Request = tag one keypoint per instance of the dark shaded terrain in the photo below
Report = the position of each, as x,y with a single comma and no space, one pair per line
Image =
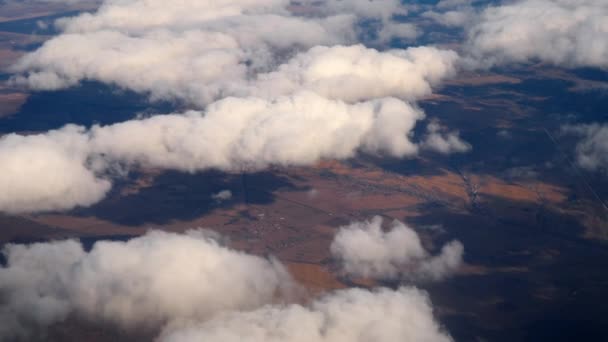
88,104
181,196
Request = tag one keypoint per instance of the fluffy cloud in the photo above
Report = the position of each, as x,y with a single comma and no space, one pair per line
163,64
147,281
592,149
562,32
191,288
234,134
354,73
251,133
350,315
214,68
453,13
223,195
194,51
47,172
125,15
365,250
266,94
444,142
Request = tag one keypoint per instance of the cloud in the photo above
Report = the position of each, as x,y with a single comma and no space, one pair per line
193,51
223,195
48,172
444,143
355,73
234,134
592,149
568,33
201,51
188,287
350,73
147,281
453,13
350,315
125,15
251,133
405,31
365,250
265,92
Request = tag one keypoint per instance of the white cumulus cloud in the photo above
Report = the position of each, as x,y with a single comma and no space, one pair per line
150,280
223,195
188,287
350,315
270,87
355,73
366,250
234,134
444,142
193,51
569,33
48,172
